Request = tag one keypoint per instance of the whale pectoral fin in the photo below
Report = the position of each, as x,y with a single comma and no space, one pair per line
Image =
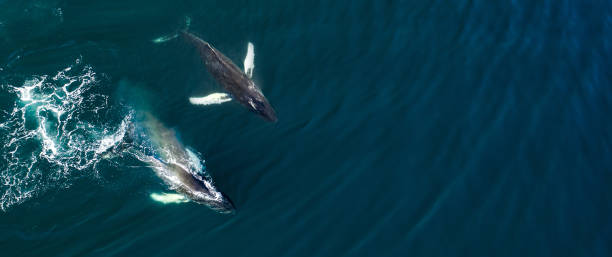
167,198
249,59
214,98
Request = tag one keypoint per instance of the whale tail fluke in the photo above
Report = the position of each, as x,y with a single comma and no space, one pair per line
187,23
166,38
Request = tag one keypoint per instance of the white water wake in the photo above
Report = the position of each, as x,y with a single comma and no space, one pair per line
55,132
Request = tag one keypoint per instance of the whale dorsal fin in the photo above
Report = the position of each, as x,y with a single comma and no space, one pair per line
249,60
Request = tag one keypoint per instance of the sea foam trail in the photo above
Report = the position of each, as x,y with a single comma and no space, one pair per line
53,133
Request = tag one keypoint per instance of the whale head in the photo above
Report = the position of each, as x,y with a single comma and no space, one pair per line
198,189
222,205
214,199
258,104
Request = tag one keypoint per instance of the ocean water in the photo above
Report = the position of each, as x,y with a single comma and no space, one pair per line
406,128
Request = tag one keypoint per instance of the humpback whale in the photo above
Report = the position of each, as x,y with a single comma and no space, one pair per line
238,84
178,167
144,137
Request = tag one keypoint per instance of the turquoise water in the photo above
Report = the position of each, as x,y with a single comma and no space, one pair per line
406,128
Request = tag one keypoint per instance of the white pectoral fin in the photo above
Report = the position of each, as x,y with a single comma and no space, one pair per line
214,98
167,198
249,60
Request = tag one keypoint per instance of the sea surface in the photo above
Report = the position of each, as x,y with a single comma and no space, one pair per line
405,128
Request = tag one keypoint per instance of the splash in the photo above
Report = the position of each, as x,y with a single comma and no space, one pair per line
114,139
55,132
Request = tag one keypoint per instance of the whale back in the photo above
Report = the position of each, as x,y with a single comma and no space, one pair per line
188,180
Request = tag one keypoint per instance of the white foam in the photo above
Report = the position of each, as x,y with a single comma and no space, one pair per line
45,139
214,98
25,92
194,161
47,142
115,138
249,60
167,198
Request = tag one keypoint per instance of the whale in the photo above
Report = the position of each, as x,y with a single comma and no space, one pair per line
237,83
143,139
177,165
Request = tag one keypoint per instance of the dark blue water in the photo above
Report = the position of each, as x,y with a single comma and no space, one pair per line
406,128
